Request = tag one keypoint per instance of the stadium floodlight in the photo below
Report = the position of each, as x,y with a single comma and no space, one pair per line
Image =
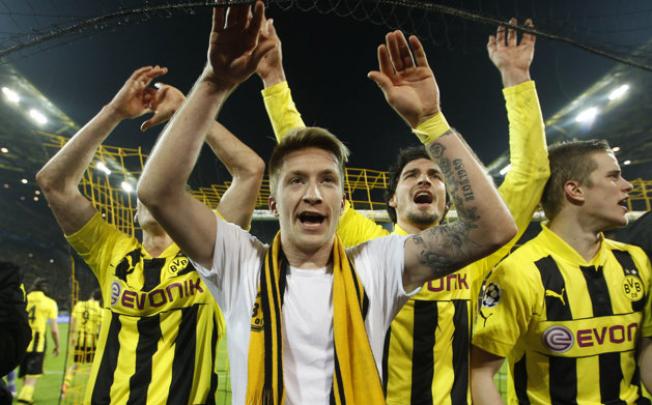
37,192
38,116
505,169
51,260
618,92
627,162
127,187
101,166
35,198
616,149
11,95
587,116
4,150
24,181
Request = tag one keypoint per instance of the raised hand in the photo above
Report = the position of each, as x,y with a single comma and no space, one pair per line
513,59
165,102
270,67
134,98
234,49
407,82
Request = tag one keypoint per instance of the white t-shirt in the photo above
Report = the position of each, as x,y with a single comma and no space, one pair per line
307,309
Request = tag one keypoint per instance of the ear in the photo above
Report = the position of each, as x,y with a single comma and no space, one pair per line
392,201
271,203
574,192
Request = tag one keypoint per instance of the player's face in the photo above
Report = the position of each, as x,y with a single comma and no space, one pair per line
420,196
605,200
308,199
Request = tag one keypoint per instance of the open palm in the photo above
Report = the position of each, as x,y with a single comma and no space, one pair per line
408,83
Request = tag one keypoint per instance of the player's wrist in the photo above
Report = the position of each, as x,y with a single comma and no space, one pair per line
275,77
432,128
114,112
514,76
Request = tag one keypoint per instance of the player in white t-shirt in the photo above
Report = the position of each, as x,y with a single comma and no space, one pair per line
307,193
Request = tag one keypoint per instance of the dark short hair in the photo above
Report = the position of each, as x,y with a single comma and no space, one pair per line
569,161
303,138
40,284
405,156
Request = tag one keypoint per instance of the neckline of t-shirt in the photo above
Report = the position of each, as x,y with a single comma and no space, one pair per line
319,272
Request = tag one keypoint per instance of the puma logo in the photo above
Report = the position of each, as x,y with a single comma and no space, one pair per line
484,317
554,294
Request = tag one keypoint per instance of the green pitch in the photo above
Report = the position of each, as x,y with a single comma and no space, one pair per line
49,385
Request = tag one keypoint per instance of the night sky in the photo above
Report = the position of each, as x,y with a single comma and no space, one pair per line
326,60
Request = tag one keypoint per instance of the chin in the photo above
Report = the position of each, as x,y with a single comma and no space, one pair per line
424,219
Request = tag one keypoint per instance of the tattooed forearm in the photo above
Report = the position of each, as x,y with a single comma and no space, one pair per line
453,247
457,180
446,248
467,191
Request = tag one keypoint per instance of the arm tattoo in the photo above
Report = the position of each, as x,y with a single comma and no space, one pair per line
444,249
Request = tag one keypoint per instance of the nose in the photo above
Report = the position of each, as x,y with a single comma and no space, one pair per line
628,186
312,195
423,179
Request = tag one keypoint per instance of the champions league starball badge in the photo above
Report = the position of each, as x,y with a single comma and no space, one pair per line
491,295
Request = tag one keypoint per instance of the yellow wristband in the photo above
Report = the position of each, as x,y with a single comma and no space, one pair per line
431,129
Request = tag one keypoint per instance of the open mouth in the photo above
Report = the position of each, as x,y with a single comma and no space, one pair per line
623,203
311,218
423,197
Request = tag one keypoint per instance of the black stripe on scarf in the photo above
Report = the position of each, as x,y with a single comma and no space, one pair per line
267,389
340,383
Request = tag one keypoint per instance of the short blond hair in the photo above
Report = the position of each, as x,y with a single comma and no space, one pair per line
303,138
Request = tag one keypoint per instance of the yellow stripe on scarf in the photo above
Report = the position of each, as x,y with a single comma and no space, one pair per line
355,378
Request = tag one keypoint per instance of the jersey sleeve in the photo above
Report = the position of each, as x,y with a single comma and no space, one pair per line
506,308
523,185
643,263
281,110
354,228
95,242
53,310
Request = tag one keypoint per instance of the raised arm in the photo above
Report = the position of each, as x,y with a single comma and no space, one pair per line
484,223
244,165
60,177
281,110
233,54
523,185
246,169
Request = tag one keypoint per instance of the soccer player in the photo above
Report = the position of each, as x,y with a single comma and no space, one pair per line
15,333
160,325
41,311
570,309
426,360
306,319
84,331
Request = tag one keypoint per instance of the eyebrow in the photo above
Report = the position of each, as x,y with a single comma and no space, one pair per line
430,171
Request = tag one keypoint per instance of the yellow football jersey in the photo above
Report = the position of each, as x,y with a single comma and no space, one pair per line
40,309
569,327
160,326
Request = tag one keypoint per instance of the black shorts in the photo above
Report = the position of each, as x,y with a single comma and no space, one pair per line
84,354
32,364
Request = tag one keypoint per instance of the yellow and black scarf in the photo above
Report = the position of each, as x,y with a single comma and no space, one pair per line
355,378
